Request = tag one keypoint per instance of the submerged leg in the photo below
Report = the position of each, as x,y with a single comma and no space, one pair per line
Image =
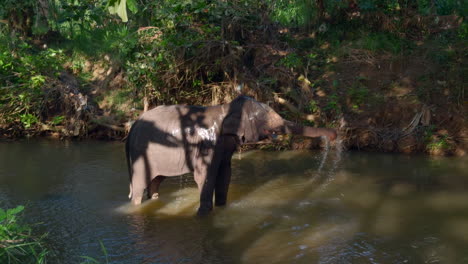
153,189
206,188
222,184
223,178
137,194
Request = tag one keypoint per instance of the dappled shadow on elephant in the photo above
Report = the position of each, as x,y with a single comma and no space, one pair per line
177,139
138,147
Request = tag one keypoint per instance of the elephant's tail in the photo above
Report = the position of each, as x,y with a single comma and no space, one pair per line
129,161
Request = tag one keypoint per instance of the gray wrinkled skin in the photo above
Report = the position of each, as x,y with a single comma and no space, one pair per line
177,139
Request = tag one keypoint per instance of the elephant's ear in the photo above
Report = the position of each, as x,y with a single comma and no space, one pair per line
240,120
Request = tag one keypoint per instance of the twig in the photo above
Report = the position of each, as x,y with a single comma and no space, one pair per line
113,127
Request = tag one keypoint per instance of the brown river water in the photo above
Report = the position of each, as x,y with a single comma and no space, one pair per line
284,207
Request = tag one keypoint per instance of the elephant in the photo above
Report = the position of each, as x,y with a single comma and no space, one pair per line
172,140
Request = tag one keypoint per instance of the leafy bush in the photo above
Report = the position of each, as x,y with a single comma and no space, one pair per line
358,94
190,44
25,72
292,61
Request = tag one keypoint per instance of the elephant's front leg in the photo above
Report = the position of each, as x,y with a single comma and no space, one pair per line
222,183
206,169
223,177
206,185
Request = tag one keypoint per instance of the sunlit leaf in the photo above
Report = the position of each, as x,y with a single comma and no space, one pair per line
119,8
16,210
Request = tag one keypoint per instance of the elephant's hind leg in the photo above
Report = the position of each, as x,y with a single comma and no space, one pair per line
153,189
137,195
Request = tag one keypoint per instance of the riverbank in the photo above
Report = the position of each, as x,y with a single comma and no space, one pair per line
390,81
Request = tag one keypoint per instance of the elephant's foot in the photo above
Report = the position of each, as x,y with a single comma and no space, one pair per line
220,202
204,210
155,196
137,200
220,198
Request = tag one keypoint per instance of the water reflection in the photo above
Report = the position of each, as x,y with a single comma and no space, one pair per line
284,207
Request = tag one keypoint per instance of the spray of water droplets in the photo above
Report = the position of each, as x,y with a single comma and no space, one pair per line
327,175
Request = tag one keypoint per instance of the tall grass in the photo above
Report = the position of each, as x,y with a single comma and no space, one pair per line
91,260
17,243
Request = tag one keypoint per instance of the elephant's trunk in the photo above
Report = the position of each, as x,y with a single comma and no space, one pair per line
296,129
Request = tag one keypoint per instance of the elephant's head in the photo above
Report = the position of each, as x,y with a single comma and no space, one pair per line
253,121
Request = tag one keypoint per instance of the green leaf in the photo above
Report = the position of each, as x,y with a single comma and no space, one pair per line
2,214
104,250
132,6
28,120
16,210
57,120
119,8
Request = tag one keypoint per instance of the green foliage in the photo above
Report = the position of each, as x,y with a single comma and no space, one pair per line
463,31
435,141
28,120
292,61
438,144
175,51
313,106
19,15
305,14
383,42
301,13
25,72
17,244
358,95
188,45
424,7
333,105
292,13
57,120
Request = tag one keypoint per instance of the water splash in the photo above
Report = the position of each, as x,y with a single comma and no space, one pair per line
327,175
325,153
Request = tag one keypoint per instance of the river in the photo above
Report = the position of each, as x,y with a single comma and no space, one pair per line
283,207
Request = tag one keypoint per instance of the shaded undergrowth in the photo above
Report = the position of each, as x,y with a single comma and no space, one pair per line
367,68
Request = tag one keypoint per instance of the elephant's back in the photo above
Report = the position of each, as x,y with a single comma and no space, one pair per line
164,113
